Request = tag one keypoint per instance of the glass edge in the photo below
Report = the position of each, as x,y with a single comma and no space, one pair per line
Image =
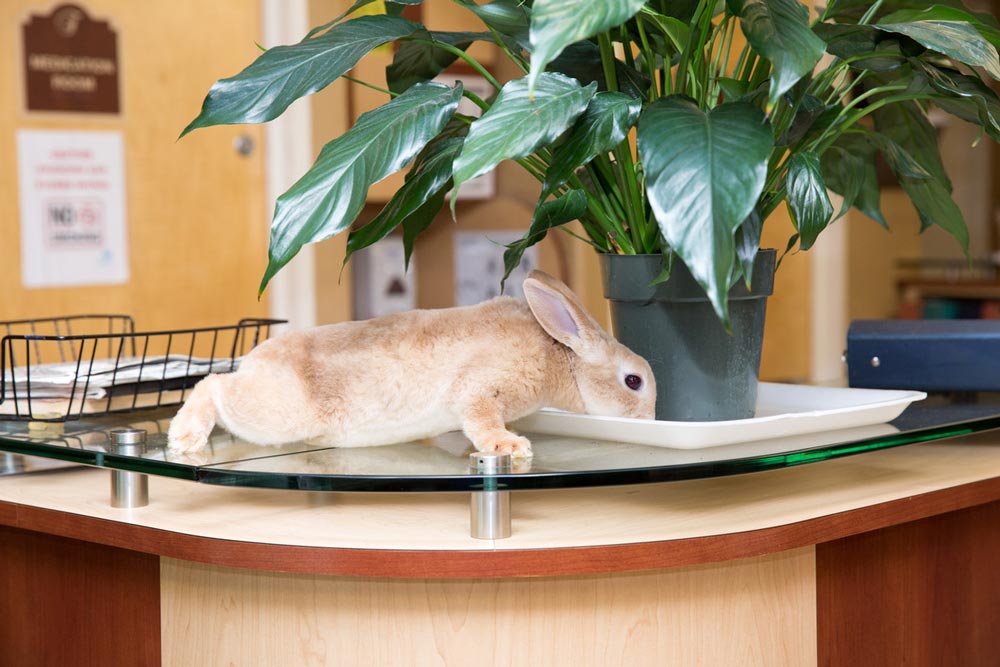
587,478
215,475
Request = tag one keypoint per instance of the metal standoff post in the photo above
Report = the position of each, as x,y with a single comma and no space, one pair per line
490,507
129,489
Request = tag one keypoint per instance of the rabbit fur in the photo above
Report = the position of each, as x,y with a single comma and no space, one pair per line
421,373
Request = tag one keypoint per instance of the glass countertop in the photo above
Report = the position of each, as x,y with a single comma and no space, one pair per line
442,463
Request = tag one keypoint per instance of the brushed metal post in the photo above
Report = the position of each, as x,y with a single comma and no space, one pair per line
490,508
129,489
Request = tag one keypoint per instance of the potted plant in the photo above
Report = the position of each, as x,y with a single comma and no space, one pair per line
671,129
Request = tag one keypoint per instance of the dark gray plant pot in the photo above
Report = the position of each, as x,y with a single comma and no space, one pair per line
702,373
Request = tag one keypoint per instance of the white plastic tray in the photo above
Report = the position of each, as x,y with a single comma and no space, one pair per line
782,410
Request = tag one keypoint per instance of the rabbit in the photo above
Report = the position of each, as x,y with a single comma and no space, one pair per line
420,373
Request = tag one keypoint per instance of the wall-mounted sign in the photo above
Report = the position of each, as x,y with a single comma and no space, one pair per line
381,284
479,265
70,62
72,199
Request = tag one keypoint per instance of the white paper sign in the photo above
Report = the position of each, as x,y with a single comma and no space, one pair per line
382,286
479,265
72,188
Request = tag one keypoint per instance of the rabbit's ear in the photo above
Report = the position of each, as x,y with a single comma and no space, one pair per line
560,312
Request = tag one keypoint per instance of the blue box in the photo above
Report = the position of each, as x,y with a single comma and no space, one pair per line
927,355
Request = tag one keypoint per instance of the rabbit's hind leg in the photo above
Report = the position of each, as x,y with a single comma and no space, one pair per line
190,428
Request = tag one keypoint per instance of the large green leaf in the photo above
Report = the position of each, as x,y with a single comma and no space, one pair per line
704,174
681,10
748,243
986,25
283,74
418,221
327,199
392,8
676,33
955,39
852,10
600,128
931,196
811,112
507,17
779,31
428,180
582,61
807,198
416,61
548,214
964,96
849,42
516,125
850,170
555,24
907,126
935,206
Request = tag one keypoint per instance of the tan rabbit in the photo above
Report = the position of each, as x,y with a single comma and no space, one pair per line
422,373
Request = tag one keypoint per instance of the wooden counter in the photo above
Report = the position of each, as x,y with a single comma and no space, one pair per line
882,558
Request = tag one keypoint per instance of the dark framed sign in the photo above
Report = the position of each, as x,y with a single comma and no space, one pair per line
70,62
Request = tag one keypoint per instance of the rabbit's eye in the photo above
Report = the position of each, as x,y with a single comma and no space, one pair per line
633,382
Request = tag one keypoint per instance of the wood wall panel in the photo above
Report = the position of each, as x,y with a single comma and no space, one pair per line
757,611
925,593
65,602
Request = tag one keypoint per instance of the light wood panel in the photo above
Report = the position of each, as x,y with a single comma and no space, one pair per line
195,212
754,612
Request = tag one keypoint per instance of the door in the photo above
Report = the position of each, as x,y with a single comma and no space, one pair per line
196,223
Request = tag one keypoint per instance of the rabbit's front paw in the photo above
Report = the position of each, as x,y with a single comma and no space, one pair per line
195,458
185,437
515,445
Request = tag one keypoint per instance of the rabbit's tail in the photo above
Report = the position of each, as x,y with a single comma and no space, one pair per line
190,428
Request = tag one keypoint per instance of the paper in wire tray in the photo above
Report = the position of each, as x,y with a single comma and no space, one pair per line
64,368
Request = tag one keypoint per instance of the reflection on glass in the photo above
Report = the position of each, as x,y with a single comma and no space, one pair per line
441,463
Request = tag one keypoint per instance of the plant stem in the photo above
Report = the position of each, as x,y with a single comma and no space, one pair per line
461,54
870,13
837,126
724,63
682,65
369,85
714,67
608,60
600,204
649,57
515,58
705,26
633,198
743,63
589,242
531,168
875,106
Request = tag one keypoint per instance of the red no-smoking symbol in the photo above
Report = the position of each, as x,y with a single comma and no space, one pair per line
89,214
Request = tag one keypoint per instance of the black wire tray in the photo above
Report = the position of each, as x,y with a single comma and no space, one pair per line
61,369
